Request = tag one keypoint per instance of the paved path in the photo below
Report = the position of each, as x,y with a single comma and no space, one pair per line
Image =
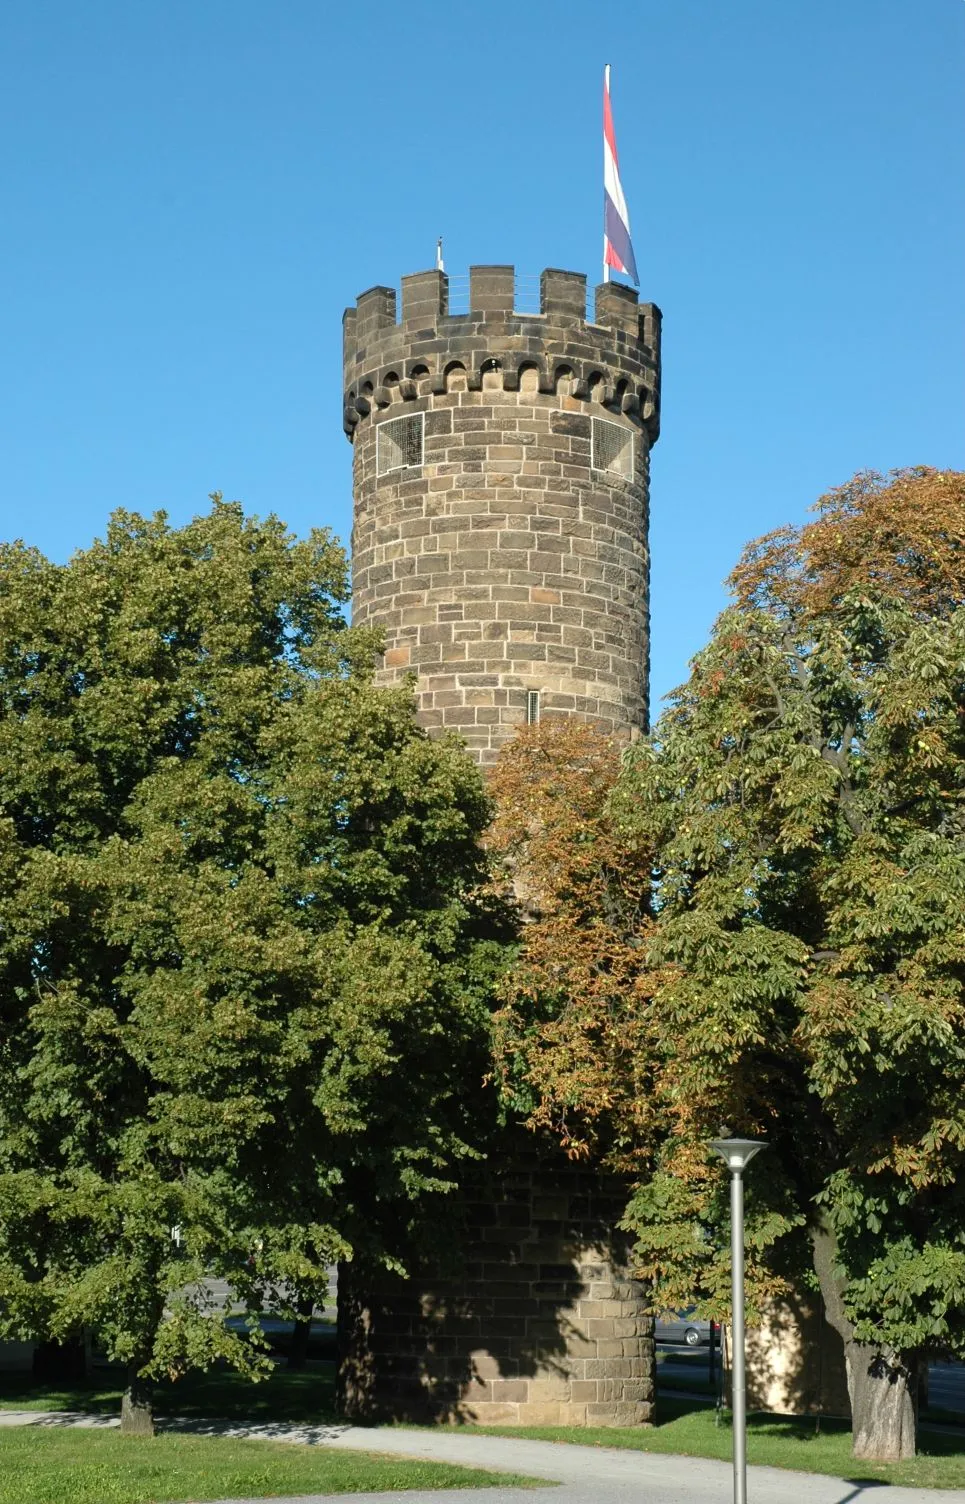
586,1475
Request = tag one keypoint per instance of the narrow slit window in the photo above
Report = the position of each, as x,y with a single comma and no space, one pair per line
532,707
612,448
398,443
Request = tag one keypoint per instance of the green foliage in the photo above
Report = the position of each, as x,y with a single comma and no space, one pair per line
805,798
243,966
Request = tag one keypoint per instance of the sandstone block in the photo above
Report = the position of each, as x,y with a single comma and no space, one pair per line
542,1414
510,1389
491,1414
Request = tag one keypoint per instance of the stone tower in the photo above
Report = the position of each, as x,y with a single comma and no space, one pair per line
501,466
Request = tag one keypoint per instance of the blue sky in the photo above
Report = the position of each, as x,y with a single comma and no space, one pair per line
192,190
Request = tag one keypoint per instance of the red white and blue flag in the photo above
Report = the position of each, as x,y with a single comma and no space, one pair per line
617,248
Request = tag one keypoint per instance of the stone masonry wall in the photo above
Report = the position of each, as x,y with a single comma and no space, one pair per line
543,1326
505,562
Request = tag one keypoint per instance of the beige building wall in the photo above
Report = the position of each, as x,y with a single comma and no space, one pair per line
795,1361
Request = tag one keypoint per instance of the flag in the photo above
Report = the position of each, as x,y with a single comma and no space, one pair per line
617,249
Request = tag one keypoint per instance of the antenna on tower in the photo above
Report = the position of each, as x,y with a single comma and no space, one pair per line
439,264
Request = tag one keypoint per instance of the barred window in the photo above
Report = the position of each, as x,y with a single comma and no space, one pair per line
398,443
612,448
532,707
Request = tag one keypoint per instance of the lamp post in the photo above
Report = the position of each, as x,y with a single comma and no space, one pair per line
737,1154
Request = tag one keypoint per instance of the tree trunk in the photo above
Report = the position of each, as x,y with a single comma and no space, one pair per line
137,1411
298,1351
882,1386
884,1405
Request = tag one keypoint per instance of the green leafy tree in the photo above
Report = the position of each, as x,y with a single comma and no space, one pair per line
805,796
801,805
243,967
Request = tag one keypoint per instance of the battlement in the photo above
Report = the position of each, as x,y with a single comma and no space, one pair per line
615,359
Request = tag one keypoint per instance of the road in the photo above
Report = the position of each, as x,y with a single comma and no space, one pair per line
946,1381
946,1386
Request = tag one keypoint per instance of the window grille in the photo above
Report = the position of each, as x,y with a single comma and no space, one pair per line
532,707
612,448
398,443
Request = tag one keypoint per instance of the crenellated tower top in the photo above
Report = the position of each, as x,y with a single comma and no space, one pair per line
500,476
613,360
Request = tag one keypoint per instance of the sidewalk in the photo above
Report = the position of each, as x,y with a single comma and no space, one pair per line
586,1475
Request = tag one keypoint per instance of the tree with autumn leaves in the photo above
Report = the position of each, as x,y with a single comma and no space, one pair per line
757,920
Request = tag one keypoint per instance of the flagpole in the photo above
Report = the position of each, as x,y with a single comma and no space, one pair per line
606,90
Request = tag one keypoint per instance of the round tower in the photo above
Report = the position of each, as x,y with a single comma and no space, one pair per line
501,466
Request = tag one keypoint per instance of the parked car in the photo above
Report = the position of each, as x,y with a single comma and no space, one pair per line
683,1326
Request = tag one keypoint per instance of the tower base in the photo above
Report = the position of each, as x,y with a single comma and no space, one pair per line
527,1317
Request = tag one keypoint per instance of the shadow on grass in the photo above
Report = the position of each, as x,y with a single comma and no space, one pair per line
804,1431
302,1397
806,1428
98,1395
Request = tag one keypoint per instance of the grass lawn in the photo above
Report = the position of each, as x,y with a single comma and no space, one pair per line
47,1465
772,1440
308,1397
305,1397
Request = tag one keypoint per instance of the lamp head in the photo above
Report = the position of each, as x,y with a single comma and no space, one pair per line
737,1153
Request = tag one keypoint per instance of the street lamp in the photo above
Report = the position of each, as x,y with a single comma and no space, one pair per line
737,1154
